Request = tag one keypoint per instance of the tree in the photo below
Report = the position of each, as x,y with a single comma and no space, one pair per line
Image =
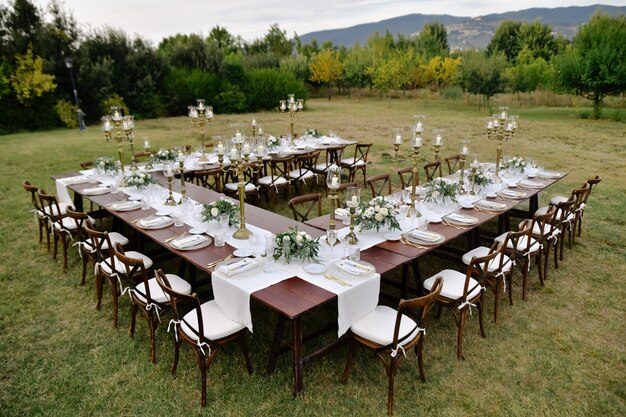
595,64
506,40
538,39
29,81
482,75
433,40
326,68
355,68
529,74
440,72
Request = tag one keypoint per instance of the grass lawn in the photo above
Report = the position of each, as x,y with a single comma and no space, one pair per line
562,352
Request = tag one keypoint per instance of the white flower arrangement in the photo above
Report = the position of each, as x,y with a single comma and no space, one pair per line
312,132
164,155
213,210
439,189
138,179
376,214
517,163
479,177
296,244
272,142
107,165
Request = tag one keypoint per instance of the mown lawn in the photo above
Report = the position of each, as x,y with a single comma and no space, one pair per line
559,353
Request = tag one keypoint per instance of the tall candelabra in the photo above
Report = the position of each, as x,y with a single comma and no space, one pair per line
201,115
501,127
463,151
353,199
416,142
169,174
121,129
293,106
240,164
181,169
333,181
437,142
253,125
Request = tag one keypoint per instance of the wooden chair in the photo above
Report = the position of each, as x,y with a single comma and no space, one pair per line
564,218
86,164
209,178
378,184
544,231
406,177
358,162
278,168
461,292
39,213
303,171
453,163
333,156
141,156
107,266
303,205
389,332
203,327
521,247
60,225
146,294
432,170
251,178
498,272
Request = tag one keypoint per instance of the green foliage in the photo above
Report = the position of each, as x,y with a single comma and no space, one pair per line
231,100
529,74
184,86
29,82
114,100
595,64
506,40
298,65
355,67
325,68
433,40
482,75
67,113
268,86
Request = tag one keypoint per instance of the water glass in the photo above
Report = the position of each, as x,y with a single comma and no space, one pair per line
220,238
354,252
178,218
145,203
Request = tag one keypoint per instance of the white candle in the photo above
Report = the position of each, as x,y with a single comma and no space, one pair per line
246,148
464,151
503,115
419,127
509,127
146,144
260,150
233,153
200,106
490,125
107,126
354,201
334,182
418,142
438,140
168,172
238,137
398,139
253,122
220,148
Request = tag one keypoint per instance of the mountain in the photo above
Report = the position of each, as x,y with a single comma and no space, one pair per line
465,32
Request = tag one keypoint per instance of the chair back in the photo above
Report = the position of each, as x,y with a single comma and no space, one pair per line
453,163
100,245
80,218
306,163
406,177
565,212
542,225
303,205
279,166
417,308
135,271
341,191
361,151
432,170
520,241
334,155
140,155
581,195
378,184
50,206
479,265
593,181
209,178
34,198
86,164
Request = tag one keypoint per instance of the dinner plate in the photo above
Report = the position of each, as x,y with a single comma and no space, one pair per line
135,198
167,221
516,195
347,269
392,236
95,191
315,268
202,242
491,195
434,219
531,184
240,267
437,238
125,206
489,205
163,212
243,252
460,219
197,230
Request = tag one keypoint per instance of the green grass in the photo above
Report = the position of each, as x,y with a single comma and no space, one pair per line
559,353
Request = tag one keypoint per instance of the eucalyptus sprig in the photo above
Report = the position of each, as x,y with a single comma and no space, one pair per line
213,210
296,244
440,188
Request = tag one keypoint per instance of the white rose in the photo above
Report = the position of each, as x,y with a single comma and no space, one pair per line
215,211
299,239
379,217
384,211
435,194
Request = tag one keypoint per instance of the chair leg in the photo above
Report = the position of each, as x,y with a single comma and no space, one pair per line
495,302
525,271
85,259
459,337
133,318
115,301
202,363
64,245
152,327
98,290
481,320
56,245
244,349
346,369
419,348
391,375
176,354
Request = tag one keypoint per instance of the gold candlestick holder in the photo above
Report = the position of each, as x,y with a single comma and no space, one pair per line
416,142
170,199
201,116
436,148
501,127
120,129
353,198
183,190
462,190
292,106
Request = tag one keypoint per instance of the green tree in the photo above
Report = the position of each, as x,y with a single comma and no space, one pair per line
529,74
506,40
298,65
538,39
595,64
433,40
326,68
355,68
29,80
482,75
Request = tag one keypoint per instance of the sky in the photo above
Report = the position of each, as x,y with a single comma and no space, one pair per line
156,19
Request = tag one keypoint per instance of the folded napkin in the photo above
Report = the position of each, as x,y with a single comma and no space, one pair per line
425,236
342,212
354,268
511,193
81,179
156,221
125,205
491,205
549,174
238,267
188,241
95,190
461,219
530,184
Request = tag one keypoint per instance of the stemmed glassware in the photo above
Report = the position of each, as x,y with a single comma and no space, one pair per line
331,239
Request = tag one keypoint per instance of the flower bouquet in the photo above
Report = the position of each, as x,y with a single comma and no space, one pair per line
295,244
272,142
213,210
376,214
107,165
312,132
164,155
517,163
138,179
478,177
439,190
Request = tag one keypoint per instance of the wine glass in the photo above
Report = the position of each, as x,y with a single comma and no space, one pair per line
331,239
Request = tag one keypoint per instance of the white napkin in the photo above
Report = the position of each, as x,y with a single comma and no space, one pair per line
355,268
125,205
154,222
461,219
491,205
80,179
238,267
531,184
511,193
340,212
95,190
189,241
425,236
549,174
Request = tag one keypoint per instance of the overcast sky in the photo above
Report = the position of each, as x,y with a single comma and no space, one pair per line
156,19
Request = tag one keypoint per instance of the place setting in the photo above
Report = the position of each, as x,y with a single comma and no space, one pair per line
154,222
102,189
459,221
188,242
127,205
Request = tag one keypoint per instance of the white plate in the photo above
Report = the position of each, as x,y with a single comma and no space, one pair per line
135,198
344,274
125,206
95,191
392,236
466,204
314,268
197,230
491,195
199,245
434,220
163,212
243,252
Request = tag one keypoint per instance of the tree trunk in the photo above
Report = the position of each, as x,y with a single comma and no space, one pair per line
597,100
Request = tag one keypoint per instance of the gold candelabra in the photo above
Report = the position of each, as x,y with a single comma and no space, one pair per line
293,106
120,128
353,199
333,180
501,127
416,142
181,169
253,125
463,156
240,164
201,115
437,142
169,174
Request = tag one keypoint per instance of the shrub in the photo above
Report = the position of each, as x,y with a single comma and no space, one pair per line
184,86
114,100
269,86
452,93
67,113
232,100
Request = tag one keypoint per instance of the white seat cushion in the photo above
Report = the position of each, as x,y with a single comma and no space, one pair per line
350,161
494,264
297,174
321,167
522,242
69,223
378,326
544,210
156,293
62,206
268,181
453,282
216,324
558,199
233,186
114,237
120,268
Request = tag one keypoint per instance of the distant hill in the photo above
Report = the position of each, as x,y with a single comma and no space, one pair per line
465,32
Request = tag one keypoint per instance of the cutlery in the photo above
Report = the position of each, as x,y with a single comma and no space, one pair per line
453,225
144,218
169,239
407,242
339,281
214,263
486,211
